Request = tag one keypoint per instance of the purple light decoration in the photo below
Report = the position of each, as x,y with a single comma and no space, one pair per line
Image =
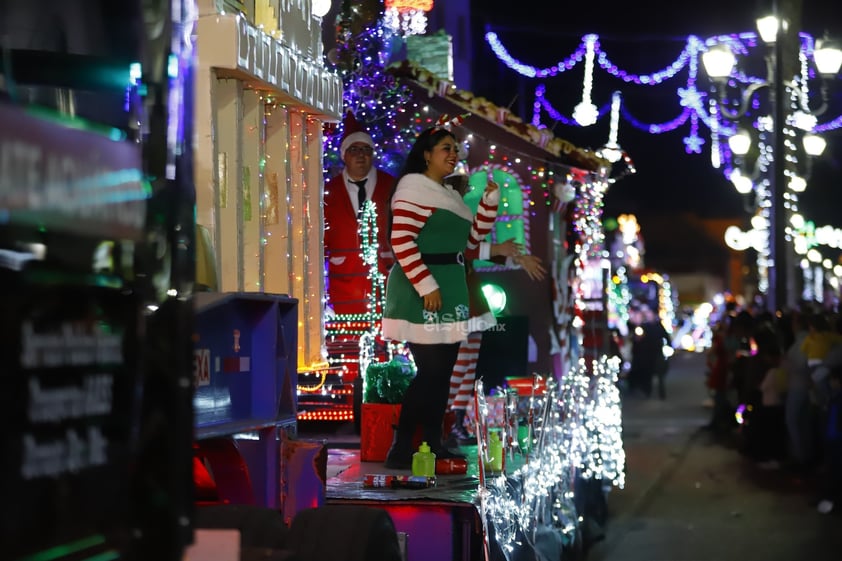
542,103
692,47
740,44
830,125
531,71
693,143
657,128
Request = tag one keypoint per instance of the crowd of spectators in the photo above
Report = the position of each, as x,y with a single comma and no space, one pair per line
776,384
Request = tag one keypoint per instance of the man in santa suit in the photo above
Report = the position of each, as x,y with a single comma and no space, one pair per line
348,283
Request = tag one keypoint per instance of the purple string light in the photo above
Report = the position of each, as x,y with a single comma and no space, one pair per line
692,47
531,71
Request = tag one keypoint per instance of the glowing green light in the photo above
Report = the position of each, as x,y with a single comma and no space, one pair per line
496,298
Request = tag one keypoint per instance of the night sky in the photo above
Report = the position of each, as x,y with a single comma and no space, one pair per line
642,37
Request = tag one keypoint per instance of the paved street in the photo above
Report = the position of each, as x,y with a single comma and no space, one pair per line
690,498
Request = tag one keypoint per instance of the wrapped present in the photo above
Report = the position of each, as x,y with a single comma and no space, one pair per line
384,387
376,429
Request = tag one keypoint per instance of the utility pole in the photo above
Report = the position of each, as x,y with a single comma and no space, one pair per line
781,292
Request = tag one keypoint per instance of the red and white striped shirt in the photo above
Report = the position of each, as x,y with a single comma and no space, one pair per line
409,217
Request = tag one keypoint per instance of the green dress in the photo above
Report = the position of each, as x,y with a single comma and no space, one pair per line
446,231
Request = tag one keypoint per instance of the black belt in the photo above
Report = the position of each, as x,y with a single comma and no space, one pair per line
443,258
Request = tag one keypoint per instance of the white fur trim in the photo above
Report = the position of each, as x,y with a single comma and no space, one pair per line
482,323
419,189
402,330
358,136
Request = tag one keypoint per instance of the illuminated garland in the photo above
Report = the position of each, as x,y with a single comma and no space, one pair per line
604,457
693,102
374,96
701,107
539,493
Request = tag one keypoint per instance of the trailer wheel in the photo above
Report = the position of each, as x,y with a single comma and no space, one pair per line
344,533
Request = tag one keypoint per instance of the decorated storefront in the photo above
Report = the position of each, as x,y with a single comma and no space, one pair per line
263,96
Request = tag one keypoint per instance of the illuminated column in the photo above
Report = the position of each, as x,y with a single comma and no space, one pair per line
277,219
314,239
227,123
298,225
251,191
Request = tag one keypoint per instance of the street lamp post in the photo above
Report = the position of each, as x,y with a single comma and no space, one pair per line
776,196
780,294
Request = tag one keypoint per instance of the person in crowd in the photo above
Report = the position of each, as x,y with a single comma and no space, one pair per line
832,486
464,371
798,410
427,302
348,281
647,352
769,421
763,353
818,343
743,348
718,362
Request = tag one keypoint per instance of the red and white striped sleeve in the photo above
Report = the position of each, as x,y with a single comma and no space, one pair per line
407,220
484,218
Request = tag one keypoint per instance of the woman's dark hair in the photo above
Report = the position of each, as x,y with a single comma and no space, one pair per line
415,162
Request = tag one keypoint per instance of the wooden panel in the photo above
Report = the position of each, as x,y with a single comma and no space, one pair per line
228,117
277,219
251,191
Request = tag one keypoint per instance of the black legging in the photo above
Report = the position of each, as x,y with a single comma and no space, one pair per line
425,400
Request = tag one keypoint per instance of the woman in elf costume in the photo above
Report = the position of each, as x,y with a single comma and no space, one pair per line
426,295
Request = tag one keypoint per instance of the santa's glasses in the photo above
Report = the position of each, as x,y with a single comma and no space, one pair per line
360,150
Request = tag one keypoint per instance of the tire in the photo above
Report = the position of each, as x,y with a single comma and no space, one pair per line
344,533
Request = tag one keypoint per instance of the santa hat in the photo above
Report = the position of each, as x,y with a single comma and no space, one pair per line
352,132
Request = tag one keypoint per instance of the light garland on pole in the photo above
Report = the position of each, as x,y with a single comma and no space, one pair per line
699,107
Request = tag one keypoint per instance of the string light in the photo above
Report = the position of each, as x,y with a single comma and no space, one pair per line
692,101
586,112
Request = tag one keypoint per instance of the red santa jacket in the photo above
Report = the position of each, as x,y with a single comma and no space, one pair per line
348,282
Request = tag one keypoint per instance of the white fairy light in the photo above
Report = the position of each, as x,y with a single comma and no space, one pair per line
586,112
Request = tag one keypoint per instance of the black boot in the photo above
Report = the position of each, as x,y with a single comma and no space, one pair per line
400,453
432,434
458,434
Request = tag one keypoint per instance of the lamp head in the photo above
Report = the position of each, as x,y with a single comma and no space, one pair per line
740,142
814,144
718,62
767,27
828,57
321,7
742,183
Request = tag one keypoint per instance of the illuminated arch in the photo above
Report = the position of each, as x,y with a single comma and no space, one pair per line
512,216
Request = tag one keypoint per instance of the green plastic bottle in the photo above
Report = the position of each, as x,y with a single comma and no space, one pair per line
494,462
424,461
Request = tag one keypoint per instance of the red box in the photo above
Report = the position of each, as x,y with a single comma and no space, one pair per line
377,423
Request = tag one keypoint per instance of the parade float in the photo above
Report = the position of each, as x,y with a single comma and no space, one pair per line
549,490
261,164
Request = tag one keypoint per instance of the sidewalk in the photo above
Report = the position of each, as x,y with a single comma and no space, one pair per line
689,497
